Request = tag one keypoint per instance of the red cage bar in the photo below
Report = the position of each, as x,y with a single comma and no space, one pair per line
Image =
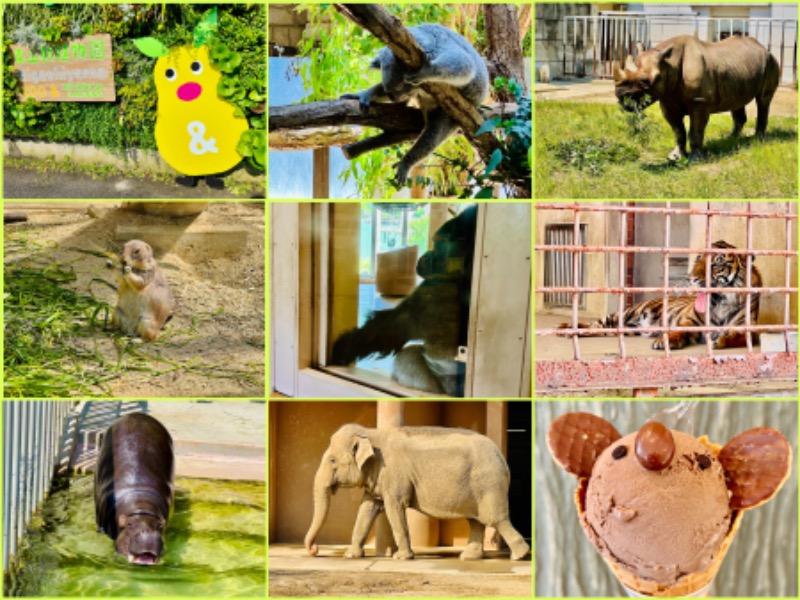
668,370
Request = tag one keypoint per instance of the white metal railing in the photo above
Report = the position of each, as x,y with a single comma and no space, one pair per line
592,43
32,434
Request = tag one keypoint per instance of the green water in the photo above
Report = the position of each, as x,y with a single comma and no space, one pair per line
215,546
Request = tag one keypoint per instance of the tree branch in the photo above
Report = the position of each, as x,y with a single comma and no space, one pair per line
389,117
330,123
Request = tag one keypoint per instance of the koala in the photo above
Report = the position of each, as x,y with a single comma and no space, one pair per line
145,302
450,59
425,330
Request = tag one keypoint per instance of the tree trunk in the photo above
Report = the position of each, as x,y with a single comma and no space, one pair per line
503,46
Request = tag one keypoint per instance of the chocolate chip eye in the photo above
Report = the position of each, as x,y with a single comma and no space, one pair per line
196,67
170,74
619,452
704,462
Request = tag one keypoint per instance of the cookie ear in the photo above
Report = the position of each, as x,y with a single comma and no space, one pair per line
757,463
577,439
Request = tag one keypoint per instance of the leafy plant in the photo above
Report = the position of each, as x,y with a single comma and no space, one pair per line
636,121
593,155
26,114
253,146
129,122
510,164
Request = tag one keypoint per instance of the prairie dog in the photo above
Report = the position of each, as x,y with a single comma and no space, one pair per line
145,302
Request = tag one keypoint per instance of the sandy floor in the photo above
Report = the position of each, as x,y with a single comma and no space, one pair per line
433,573
216,276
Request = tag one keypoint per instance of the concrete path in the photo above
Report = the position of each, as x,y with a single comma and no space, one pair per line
30,183
784,104
212,439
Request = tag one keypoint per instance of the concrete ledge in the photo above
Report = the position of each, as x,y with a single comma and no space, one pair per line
148,160
215,466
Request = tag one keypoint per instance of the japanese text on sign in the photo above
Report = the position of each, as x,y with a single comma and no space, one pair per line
77,71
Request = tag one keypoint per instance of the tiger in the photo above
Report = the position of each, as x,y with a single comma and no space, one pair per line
725,307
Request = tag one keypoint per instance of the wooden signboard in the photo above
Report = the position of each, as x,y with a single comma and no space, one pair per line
77,71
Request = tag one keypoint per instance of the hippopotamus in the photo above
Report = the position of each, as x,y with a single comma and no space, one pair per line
695,78
133,486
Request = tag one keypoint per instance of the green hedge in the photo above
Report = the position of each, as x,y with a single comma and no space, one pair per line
130,121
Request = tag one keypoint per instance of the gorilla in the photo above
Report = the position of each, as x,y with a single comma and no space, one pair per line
425,330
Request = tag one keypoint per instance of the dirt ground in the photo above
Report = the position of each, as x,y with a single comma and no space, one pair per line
434,572
409,585
214,262
784,104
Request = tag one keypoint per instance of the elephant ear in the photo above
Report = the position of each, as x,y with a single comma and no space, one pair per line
362,449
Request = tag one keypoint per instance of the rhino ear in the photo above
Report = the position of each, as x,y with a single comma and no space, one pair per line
665,53
630,65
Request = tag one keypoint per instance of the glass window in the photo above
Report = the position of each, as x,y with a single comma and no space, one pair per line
400,285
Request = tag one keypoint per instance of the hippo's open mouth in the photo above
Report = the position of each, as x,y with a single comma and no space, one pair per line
145,558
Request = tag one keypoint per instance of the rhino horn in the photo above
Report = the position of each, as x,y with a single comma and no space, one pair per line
619,76
629,64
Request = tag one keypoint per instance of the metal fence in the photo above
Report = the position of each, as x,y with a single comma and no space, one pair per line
32,434
668,370
593,43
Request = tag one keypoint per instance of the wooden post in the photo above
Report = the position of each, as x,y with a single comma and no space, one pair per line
322,169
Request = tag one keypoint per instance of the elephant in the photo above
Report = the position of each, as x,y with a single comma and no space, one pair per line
442,472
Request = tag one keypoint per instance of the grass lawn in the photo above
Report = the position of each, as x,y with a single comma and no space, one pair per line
588,150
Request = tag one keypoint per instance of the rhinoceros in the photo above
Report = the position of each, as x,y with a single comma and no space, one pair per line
691,77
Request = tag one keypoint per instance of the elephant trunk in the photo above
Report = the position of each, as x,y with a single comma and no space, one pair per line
322,500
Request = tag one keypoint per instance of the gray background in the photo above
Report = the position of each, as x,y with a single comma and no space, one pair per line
762,560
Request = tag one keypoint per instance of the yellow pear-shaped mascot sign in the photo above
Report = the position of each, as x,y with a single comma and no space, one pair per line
196,130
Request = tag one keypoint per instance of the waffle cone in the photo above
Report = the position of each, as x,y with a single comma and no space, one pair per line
689,585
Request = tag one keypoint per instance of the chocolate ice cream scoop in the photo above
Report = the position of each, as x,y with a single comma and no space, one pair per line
661,523
660,506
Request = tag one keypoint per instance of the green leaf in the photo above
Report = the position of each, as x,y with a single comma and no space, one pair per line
231,63
243,147
495,159
205,28
150,46
487,192
219,52
488,126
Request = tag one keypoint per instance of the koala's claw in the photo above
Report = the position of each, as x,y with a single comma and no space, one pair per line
413,79
363,102
400,177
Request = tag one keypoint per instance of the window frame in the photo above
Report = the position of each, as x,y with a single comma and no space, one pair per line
499,360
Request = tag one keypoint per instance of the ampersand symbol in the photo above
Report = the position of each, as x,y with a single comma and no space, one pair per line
198,144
